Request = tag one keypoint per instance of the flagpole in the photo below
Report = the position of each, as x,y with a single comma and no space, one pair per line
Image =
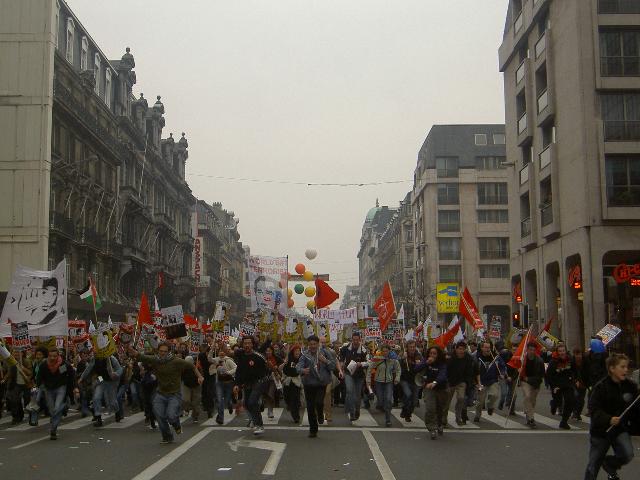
522,357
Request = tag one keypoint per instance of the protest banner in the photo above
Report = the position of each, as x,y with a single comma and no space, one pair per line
343,317
103,343
20,336
608,333
220,316
172,321
546,340
196,338
77,330
372,334
247,329
268,281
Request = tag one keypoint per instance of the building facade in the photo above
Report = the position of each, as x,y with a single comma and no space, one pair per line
351,297
460,209
571,83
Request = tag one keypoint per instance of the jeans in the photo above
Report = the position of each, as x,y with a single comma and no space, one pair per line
136,396
122,391
489,394
85,396
567,396
104,390
435,408
292,399
328,395
530,397
56,403
224,395
252,395
314,395
353,396
191,399
409,396
622,454
384,392
166,409
578,404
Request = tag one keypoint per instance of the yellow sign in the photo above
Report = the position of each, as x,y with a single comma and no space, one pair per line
448,297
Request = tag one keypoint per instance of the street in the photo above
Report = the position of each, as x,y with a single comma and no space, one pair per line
366,451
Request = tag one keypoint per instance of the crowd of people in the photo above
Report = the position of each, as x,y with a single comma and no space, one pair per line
173,381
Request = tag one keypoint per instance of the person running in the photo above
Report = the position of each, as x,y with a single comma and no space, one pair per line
328,395
460,373
531,375
409,360
435,394
561,375
224,368
292,383
491,369
56,378
354,374
191,391
167,401
609,399
271,390
105,376
581,384
252,376
315,366
386,377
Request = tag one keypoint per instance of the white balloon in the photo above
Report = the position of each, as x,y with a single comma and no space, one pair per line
311,253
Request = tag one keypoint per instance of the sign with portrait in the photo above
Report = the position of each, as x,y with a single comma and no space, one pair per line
268,279
172,321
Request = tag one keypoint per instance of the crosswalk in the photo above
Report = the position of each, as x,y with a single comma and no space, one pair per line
282,419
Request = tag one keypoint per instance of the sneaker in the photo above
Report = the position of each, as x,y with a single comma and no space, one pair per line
408,418
98,422
119,416
178,429
53,435
258,430
313,434
433,435
219,420
459,422
166,441
230,409
532,424
613,476
387,424
564,426
489,411
476,420
320,421
153,425
146,421
440,431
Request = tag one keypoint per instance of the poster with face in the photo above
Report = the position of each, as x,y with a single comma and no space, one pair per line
220,316
20,336
38,298
308,328
103,342
172,322
125,334
78,330
268,279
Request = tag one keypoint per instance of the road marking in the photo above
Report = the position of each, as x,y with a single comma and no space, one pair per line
451,418
127,422
4,420
212,421
381,462
25,426
82,422
413,430
22,445
418,424
549,422
277,413
152,470
504,422
365,420
276,448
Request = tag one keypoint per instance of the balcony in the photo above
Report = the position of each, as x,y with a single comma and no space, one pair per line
545,157
186,238
447,173
541,46
113,248
135,253
546,214
165,219
522,124
621,131
543,101
620,66
518,23
524,175
58,222
525,227
618,6
89,237
520,72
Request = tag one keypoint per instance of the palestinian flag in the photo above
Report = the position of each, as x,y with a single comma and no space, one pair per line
90,295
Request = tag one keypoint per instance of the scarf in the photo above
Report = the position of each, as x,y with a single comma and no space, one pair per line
166,359
54,366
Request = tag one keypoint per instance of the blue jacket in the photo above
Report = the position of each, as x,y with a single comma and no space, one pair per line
436,373
490,371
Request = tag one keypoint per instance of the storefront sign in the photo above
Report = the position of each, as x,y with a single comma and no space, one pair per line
448,297
197,260
625,273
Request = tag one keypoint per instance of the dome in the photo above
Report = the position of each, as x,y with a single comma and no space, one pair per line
372,213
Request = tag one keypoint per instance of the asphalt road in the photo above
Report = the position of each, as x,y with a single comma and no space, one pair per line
132,451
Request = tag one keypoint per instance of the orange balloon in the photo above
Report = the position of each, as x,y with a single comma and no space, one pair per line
291,303
300,269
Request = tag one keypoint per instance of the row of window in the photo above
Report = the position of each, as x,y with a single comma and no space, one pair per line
480,139
453,273
447,167
488,194
490,248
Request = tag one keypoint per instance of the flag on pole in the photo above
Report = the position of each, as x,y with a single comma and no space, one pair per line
90,295
190,321
157,315
469,310
446,338
518,360
144,315
459,334
547,326
422,324
385,306
325,295
400,316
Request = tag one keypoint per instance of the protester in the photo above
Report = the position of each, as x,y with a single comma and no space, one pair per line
292,383
387,374
191,391
105,376
56,378
460,373
491,369
409,361
222,368
353,359
435,394
252,376
562,381
19,380
531,375
581,384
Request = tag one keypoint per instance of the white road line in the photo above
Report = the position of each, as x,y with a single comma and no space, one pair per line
76,424
500,421
211,422
418,424
6,419
411,430
549,422
127,422
41,421
378,457
22,445
277,413
365,420
157,467
451,418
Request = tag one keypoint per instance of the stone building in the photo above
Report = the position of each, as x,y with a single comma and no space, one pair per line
571,82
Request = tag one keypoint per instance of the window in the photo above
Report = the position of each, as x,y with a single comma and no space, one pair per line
548,135
623,181
546,199
480,138
448,194
499,139
447,167
408,262
526,155
449,248
84,54
492,194
618,6
450,273
494,271
408,234
621,115
107,87
449,221
70,32
620,53
489,163
96,70
493,247
493,216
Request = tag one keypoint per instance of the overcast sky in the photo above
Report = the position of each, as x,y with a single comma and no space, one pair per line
307,91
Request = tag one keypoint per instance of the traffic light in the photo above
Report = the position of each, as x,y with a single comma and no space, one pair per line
516,319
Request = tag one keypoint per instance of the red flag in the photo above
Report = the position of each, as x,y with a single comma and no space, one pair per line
469,310
385,306
160,279
547,325
190,321
144,314
518,359
444,339
325,295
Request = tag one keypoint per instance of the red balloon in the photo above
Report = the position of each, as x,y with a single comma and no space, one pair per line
291,303
300,269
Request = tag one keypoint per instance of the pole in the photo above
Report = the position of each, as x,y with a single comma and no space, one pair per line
626,410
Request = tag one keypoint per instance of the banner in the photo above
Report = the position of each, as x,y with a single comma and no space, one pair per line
247,330
308,328
546,340
447,297
148,338
172,321
335,329
220,316
196,338
103,343
268,280
292,329
372,333
78,330
343,317
38,298
125,334
469,310
385,306
20,336
608,333
363,314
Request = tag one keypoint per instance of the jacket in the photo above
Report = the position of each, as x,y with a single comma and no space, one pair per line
436,373
561,373
251,368
408,366
460,369
387,370
533,371
64,376
610,399
116,368
225,371
320,372
490,370
347,354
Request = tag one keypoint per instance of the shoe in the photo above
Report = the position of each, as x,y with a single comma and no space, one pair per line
553,411
490,411
98,422
512,413
153,425
250,424
433,435
53,435
271,416
166,441
258,430
532,424
408,418
357,416
387,424
146,421
440,431
613,476
194,419
476,420
352,418
320,421
230,410
577,418
119,416
178,429
219,420
564,426
313,434
459,422
296,420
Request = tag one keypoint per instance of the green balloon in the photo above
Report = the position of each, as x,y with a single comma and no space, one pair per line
299,288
